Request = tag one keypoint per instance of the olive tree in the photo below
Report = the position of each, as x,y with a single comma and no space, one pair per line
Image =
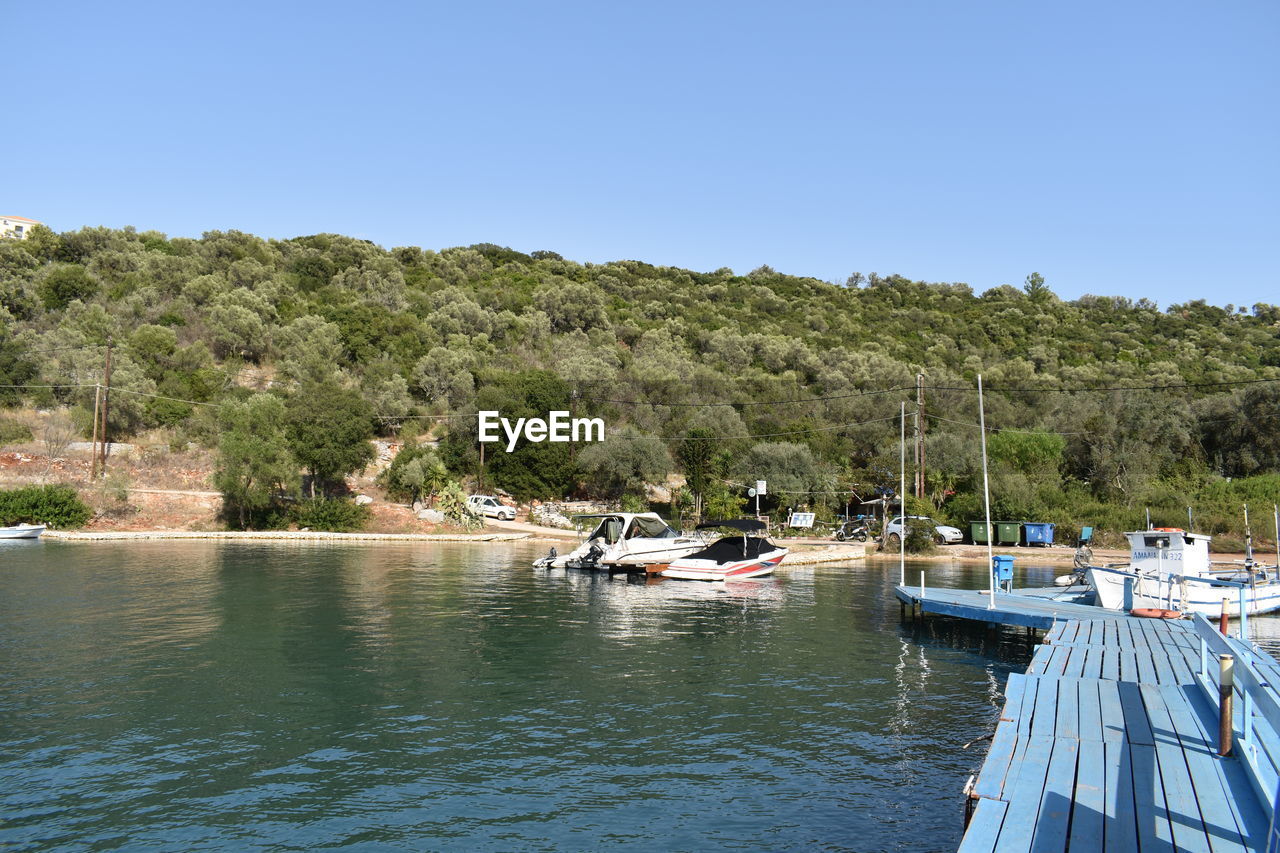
328,429
254,462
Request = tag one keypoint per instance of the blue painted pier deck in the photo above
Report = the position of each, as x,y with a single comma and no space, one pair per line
1029,608
1109,742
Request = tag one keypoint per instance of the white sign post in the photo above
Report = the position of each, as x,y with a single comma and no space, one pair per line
759,490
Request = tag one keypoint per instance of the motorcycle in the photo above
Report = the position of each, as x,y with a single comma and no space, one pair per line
853,528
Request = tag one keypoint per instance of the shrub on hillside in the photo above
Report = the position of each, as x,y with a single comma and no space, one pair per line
334,515
56,506
12,432
415,472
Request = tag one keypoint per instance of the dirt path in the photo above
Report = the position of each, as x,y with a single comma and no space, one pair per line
536,530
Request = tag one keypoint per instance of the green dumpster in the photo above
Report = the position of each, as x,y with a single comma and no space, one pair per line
978,532
1008,532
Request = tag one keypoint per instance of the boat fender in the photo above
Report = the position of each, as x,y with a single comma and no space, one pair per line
1155,613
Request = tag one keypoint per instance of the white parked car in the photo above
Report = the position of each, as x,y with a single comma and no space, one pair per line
488,505
943,534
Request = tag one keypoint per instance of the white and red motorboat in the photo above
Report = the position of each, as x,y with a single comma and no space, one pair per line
730,558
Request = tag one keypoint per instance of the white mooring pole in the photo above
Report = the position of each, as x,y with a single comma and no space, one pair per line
1275,509
986,499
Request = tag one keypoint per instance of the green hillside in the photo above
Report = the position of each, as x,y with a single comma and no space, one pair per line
1097,407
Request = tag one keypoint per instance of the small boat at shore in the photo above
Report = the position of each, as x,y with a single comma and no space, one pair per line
1169,569
22,531
624,542
732,557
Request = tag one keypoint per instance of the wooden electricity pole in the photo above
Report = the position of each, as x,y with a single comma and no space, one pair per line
93,453
106,397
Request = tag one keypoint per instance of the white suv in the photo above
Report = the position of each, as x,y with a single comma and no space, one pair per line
490,506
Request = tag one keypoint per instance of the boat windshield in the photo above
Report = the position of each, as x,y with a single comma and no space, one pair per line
609,529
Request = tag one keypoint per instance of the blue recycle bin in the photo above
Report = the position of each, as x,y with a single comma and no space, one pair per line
1035,533
1002,566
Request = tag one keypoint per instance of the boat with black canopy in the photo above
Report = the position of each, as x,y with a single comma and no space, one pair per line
744,555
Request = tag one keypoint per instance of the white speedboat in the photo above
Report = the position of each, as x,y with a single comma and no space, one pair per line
1169,569
22,531
733,557
625,542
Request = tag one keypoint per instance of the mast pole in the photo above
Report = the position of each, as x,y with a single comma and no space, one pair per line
902,496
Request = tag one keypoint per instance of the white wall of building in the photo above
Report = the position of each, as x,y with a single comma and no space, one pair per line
16,227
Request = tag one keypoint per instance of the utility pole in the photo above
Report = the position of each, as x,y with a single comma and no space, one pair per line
920,426
93,453
106,397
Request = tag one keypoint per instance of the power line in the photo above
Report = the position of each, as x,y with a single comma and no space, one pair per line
752,402
63,349
1001,429
115,388
960,388
687,437
120,390
1175,387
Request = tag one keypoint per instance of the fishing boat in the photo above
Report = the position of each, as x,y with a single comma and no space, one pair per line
22,531
624,542
1169,569
736,556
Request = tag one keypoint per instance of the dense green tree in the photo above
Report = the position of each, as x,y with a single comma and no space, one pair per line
329,430
792,474
624,463
697,454
16,369
310,349
1242,437
254,462
63,283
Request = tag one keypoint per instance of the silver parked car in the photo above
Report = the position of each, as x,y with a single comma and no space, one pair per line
943,534
488,505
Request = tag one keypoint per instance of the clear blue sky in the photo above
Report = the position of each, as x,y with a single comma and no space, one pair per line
1117,148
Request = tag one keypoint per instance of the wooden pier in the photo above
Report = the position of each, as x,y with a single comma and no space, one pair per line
1029,608
1110,742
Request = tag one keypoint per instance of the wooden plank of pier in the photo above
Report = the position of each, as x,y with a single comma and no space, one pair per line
1107,743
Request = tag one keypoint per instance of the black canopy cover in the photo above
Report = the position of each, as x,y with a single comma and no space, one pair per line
746,525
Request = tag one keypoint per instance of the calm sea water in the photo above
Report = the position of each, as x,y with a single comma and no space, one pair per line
218,696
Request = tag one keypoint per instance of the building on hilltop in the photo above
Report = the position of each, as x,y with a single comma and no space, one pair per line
16,227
